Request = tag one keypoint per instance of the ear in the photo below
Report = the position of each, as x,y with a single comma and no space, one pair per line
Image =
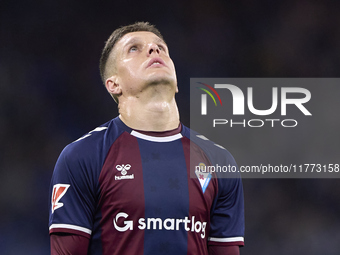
113,86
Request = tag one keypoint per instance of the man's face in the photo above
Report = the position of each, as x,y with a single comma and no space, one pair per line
142,59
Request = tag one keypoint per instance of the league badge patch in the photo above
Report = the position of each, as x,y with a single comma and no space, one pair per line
58,192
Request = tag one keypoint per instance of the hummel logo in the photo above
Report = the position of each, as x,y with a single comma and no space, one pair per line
123,170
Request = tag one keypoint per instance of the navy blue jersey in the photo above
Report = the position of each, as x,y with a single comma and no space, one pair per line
134,192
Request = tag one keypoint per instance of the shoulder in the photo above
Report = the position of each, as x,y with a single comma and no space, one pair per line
215,152
92,146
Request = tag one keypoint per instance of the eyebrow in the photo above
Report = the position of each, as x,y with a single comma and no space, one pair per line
138,40
133,41
159,40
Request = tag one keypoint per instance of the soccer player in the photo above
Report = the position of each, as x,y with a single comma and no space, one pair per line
137,185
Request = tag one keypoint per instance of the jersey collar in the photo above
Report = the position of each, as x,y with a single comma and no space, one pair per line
164,136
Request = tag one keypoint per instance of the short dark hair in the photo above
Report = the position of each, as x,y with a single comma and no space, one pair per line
117,35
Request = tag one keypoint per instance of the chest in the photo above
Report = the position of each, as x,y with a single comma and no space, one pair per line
153,179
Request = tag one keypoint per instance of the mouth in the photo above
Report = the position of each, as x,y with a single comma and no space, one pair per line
156,62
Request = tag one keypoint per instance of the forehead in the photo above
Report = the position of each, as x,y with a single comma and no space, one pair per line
140,36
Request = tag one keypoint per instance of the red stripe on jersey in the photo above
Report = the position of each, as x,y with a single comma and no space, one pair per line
121,181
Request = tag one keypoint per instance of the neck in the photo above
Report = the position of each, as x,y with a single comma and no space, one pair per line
149,115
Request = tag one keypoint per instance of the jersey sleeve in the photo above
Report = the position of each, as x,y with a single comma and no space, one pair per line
224,250
227,215
69,244
227,211
73,191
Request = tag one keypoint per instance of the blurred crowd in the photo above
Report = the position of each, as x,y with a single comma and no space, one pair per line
51,94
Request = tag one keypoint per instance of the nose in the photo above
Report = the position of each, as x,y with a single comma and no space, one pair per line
153,48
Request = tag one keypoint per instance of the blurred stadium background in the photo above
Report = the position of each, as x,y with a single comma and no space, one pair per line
51,94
